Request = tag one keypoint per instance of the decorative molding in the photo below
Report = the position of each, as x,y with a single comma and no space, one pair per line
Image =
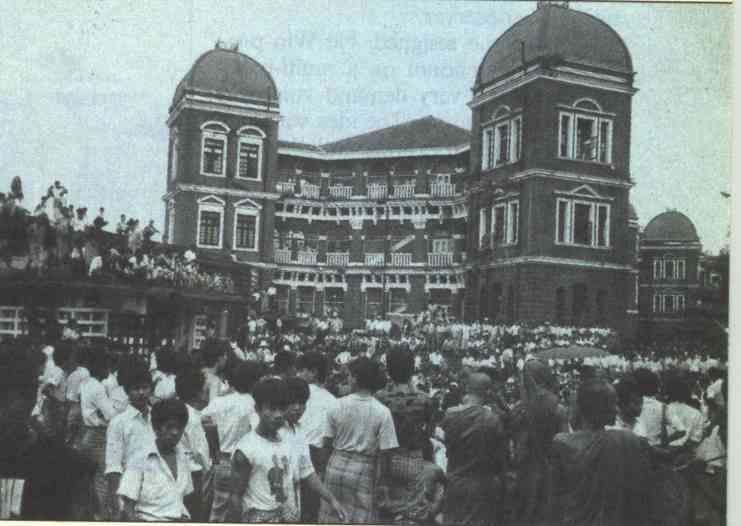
234,192
213,104
547,260
376,154
571,177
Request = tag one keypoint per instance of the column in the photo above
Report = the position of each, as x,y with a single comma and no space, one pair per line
356,241
420,241
292,299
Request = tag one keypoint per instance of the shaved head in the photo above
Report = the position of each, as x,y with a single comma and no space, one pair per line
479,384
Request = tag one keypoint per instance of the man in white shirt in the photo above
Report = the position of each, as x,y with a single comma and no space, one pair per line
164,383
234,416
656,423
313,367
213,357
130,433
155,485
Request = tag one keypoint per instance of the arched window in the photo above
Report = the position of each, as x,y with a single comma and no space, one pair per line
246,225
587,104
213,149
249,156
501,142
210,222
585,133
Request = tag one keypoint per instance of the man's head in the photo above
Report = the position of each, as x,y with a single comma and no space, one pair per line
190,386
244,375
166,361
298,395
648,382
479,385
98,363
169,418
213,353
400,365
271,402
137,382
597,403
284,364
312,367
629,398
63,353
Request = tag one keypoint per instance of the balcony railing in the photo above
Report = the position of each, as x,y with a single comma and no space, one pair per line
442,189
311,191
307,257
401,259
338,259
404,191
285,187
282,255
440,259
377,191
340,192
374,259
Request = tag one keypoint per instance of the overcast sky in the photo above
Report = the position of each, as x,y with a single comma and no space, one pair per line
85,86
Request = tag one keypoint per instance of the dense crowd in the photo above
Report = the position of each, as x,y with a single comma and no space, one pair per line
427,422
57,239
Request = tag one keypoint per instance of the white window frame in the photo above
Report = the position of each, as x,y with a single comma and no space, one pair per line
494,226
174,155
257,138
208,131
513,222
491,144
571,145
445,243
482,226
593,215
660,264
171,221
246,207
209,204
678,303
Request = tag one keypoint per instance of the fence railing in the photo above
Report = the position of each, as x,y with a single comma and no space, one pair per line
377,191
311,191
440,259
442,189
282,255
374,259
285,187
340,192
338,259
401,259
307,257
404,191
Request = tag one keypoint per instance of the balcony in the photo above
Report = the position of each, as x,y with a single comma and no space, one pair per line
285,187
374,259
282,255
340,192
310,191
401,259
404,191
442,189
377,191
307,257
442,259
338,259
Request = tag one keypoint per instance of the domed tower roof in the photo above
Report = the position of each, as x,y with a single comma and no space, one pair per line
670,226
228,73
555,33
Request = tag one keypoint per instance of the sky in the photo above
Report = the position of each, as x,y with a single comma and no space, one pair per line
86,85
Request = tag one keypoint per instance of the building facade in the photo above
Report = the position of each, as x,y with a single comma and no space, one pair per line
524,217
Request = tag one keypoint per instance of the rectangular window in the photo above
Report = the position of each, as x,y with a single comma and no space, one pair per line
668,303
513,222
213,155
246,232
516,140
679,303
669,269
586,138
603,226
563,224
482,227
488,228
249,155
498,228
503,143
657,303
487,149
681,272
209,229
605,141
582,224
442,246
658,267
565,136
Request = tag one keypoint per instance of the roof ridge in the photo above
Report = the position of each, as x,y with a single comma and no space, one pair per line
399,125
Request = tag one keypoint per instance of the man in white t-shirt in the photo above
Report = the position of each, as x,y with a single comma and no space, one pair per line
267,464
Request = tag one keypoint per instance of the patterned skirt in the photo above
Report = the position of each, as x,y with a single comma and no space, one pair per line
351,477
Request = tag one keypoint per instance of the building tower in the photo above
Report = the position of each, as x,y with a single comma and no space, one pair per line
223,124
550,236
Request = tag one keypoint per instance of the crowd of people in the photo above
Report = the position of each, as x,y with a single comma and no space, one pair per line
430,424
57,238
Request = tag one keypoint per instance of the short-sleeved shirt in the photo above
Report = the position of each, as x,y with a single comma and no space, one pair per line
129,434
194,441
297,437
412,412
74,382
96,407
157,493
276,467
653,417
164,388
234,416
361,424
314,420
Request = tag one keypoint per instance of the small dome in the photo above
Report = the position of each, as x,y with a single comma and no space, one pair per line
227,72
555,33
670,226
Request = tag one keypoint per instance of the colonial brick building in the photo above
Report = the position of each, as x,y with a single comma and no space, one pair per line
527,217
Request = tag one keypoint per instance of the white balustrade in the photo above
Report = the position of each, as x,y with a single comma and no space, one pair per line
340,192
404,191
377,191
307,257
374,259
285,187
282,255
401,259
442,259
310,190
442,189
338,259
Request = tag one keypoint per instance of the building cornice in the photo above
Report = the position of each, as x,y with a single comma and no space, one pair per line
375,154
546,260
572,177
674,246
231,107
215,190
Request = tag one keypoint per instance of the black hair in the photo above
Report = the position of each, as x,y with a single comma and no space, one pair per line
298,390
284,361
316,362
626,389
170,409
400,365
98,363
677,389
166,361
189,383
648,382
596,403
367,373
63,351
212,350
134,374
270,392
244,375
